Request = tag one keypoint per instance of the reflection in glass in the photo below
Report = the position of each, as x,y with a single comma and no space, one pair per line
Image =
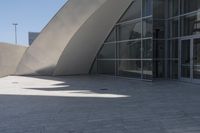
173,69
196,59
189,5
185,58
107,51
147,49
133,12
196,72
173,6
130,50
147,27
159,8
196,52
159,68
159,49
112,36
173,27
147,70
106,67
159,29
130,31
172,49
129,68
190,24
147,7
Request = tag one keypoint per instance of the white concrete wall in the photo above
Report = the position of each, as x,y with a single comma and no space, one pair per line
42,57
10,56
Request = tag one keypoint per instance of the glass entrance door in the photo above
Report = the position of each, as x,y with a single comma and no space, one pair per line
190,59
196,59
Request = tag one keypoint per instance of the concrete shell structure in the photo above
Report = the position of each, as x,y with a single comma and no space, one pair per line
10,56
69,43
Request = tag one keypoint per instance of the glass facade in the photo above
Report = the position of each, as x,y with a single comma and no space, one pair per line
148,41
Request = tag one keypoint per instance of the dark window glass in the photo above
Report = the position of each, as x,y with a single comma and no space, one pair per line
133,12
189,5
112,36
173,7
147,70
159,69
190,24
173,27
147,27
129,68
159,8
158,29
173,49
196,72
172,69
147,7
107,51
196,57
130,31
159,49
106,67
185,59
196,52
130,50
147,49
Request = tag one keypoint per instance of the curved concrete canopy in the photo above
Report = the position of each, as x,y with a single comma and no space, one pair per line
41,58
83,47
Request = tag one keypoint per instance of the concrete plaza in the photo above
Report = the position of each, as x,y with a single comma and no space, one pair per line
97,104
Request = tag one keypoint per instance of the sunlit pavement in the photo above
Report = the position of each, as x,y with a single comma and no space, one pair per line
97,104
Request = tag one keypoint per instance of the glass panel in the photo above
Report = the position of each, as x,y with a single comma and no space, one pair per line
173,7
159,69
112,36
196,72
147,28
133,12
129,68
196,58
94,68
190,24
130,31
147,70
147,7
159,8
158,29
106,67
189,5
173,49
173,27
185,58
185,71
147,49
173,69
130,50
159,49
107,52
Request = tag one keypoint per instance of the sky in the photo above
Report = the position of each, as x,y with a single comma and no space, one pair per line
31,16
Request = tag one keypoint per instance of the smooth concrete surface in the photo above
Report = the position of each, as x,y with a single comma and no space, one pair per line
97,104
42,56
80,52
10,56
